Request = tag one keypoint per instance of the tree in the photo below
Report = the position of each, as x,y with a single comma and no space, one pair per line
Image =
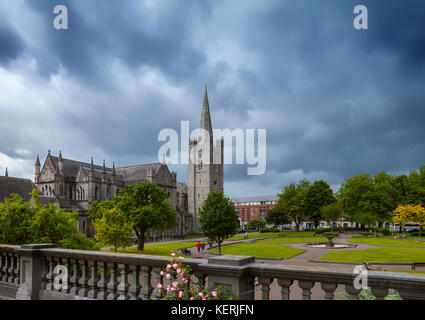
218,218
278,216
23,222
256,224
385,200
318,195
114,228
332,212
146,205
293,199
410,213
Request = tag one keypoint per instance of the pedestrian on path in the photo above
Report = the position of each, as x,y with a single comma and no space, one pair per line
203,247
198,245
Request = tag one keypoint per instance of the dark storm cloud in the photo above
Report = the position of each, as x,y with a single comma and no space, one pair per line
11,45
335,101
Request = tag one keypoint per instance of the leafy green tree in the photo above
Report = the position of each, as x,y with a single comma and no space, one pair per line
318,195
278,216
256,224
385,200
416,192
114,228
24,222
218,218
332,213
146,205
293,199
15,220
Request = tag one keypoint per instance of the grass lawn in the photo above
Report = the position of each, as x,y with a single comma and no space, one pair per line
259,250
159,249
293,240
272,234
376,255
382,242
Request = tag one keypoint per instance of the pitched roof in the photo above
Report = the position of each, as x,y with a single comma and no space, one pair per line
139,172
10,185
71,167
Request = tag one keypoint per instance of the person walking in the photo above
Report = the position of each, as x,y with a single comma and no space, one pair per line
203,247
198,245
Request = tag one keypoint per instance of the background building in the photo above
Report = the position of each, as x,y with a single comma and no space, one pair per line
254,207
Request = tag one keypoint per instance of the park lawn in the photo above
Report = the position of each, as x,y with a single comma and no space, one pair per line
159,249
272,234
385,242
376,255
259,250
293,240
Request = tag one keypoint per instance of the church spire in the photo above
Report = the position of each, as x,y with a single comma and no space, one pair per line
91,165
104,167
7,173
113,169
206,116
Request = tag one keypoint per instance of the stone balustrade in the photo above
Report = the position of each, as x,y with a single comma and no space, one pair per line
28,272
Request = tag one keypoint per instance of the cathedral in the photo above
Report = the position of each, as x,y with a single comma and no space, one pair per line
74,185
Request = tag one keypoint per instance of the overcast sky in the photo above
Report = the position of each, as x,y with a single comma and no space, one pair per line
335,101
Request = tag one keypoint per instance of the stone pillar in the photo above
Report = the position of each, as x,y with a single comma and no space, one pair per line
31,262
232,272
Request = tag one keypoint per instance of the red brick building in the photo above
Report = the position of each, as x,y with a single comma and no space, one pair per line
254,208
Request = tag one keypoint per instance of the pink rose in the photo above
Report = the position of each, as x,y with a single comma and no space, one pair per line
192,298
214,294
180,294
168,266
173,254
161,273
200,294
168,288
168,276
159,286
181,258
179,270
203,298
175,266
175,284
184,280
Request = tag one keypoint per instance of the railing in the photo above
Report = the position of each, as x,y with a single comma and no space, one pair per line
28,272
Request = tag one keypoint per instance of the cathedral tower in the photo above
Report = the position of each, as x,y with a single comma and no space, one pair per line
205,164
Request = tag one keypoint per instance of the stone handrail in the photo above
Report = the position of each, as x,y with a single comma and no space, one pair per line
28,272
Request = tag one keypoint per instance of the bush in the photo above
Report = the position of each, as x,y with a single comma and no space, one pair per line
265,230
416,234
78,241
384,231
366,234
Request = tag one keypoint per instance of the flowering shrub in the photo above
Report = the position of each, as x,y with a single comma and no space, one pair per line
180,286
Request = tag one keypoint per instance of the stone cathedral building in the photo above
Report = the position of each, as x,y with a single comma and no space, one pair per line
75,184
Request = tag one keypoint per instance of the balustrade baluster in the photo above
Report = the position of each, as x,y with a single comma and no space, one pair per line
146,282
306,287
380,292
45,265
66,282
5,266
157,278
75,277
135,287
94,278
10,270
17,270
353,293
285,285
201,276
329,289
265,287
83,279
102,283
113,283
124,285
1,266
49,275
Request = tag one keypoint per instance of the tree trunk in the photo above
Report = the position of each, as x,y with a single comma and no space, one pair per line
219,246
141,239
115,248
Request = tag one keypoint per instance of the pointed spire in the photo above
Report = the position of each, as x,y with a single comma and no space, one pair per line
206,116
113,169
37,161
49,153
60,156
91,165
7,173
104,167
163,159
